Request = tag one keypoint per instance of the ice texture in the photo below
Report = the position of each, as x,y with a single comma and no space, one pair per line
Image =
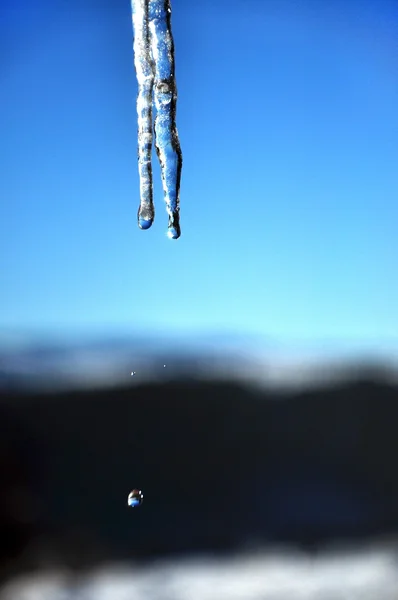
154,64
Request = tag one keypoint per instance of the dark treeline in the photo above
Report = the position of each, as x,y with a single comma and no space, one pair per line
221,467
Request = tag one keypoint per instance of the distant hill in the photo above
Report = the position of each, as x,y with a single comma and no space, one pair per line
221,465
76,363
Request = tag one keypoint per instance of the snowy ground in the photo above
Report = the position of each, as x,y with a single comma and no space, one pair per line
368,574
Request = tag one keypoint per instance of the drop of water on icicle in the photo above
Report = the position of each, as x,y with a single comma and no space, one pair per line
135,498
144,223
174,233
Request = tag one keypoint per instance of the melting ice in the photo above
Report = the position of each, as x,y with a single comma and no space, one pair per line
154,64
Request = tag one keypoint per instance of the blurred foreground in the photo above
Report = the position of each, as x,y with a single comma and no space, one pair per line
250,492
368,574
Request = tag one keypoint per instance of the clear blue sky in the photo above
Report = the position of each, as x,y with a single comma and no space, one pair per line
288,119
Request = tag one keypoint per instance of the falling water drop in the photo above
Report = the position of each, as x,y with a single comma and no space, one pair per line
135,498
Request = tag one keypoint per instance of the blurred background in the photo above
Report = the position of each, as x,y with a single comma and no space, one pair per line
245,376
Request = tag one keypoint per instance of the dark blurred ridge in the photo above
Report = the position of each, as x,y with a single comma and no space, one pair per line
221,465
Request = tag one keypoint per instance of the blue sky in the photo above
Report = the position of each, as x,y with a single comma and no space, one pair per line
288,121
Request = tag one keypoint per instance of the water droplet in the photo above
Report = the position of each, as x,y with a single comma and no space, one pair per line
135,498
174,233
144,223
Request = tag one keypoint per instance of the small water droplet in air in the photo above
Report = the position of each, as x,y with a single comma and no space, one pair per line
135,498
144,223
